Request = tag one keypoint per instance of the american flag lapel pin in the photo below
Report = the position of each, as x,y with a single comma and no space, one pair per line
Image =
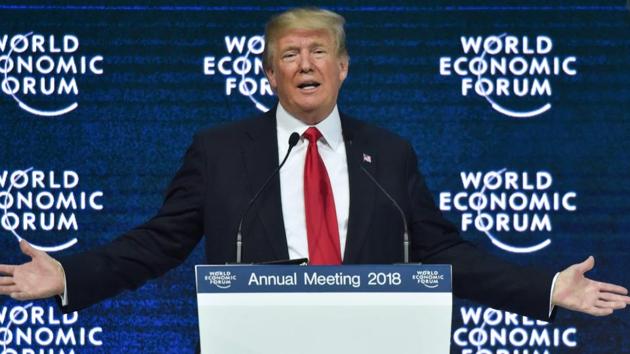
367,158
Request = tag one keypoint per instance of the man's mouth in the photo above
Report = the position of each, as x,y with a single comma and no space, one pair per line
308,85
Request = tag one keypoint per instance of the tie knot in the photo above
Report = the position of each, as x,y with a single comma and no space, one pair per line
312,134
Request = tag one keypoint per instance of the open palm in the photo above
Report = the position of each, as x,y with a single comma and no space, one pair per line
576,292
42,277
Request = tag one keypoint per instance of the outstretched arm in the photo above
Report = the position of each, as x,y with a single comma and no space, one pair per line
40,278
576,292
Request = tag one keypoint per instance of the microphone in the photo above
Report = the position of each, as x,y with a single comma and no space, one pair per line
293,139
402,215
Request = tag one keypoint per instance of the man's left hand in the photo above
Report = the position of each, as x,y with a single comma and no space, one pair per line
576,292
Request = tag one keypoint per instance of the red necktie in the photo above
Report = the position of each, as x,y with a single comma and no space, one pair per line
321,217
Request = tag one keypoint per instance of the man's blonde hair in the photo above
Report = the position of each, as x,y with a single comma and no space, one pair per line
308,18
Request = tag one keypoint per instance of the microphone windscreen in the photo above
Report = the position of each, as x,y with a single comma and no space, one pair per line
293,139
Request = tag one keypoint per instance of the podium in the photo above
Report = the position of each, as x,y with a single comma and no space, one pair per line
368,309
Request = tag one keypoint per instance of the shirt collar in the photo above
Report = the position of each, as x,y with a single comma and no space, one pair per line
330,127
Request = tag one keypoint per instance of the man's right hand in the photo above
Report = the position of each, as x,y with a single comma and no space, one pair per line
40,278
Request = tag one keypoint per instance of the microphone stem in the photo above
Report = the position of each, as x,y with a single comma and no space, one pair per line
402,215
293,139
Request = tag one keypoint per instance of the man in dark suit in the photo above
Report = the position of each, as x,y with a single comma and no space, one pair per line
322,205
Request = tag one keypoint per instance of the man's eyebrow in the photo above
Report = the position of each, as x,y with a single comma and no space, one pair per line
296,47
316,44
289,48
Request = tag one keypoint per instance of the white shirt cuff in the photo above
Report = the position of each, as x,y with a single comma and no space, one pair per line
64,295
553,285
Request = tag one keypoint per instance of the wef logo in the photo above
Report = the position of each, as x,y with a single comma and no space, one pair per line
514,74
505,203
242,68
40,72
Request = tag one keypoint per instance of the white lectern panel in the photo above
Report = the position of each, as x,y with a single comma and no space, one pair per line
319,309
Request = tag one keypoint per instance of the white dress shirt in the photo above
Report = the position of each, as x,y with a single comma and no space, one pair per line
332,149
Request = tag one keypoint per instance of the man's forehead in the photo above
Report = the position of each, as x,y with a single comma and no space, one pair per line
295,37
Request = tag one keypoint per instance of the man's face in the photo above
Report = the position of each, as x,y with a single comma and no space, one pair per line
306,73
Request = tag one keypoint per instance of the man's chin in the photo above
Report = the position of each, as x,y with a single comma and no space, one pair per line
310,114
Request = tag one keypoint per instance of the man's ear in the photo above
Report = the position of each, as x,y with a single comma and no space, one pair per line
344,62
271,77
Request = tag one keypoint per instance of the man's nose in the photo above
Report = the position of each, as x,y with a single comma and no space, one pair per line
305,63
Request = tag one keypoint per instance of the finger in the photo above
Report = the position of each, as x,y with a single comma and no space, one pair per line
6,281
8,289
612,288
7,269
615,305
587,265
614,297
596,311
27,249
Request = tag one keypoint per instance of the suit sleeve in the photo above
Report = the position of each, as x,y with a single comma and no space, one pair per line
149,250
477,275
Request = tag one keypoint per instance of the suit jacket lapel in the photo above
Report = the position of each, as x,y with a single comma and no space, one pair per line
361,188
261,158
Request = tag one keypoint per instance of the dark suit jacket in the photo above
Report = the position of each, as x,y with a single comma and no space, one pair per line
226,165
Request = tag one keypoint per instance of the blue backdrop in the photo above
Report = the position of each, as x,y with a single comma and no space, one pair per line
100,102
